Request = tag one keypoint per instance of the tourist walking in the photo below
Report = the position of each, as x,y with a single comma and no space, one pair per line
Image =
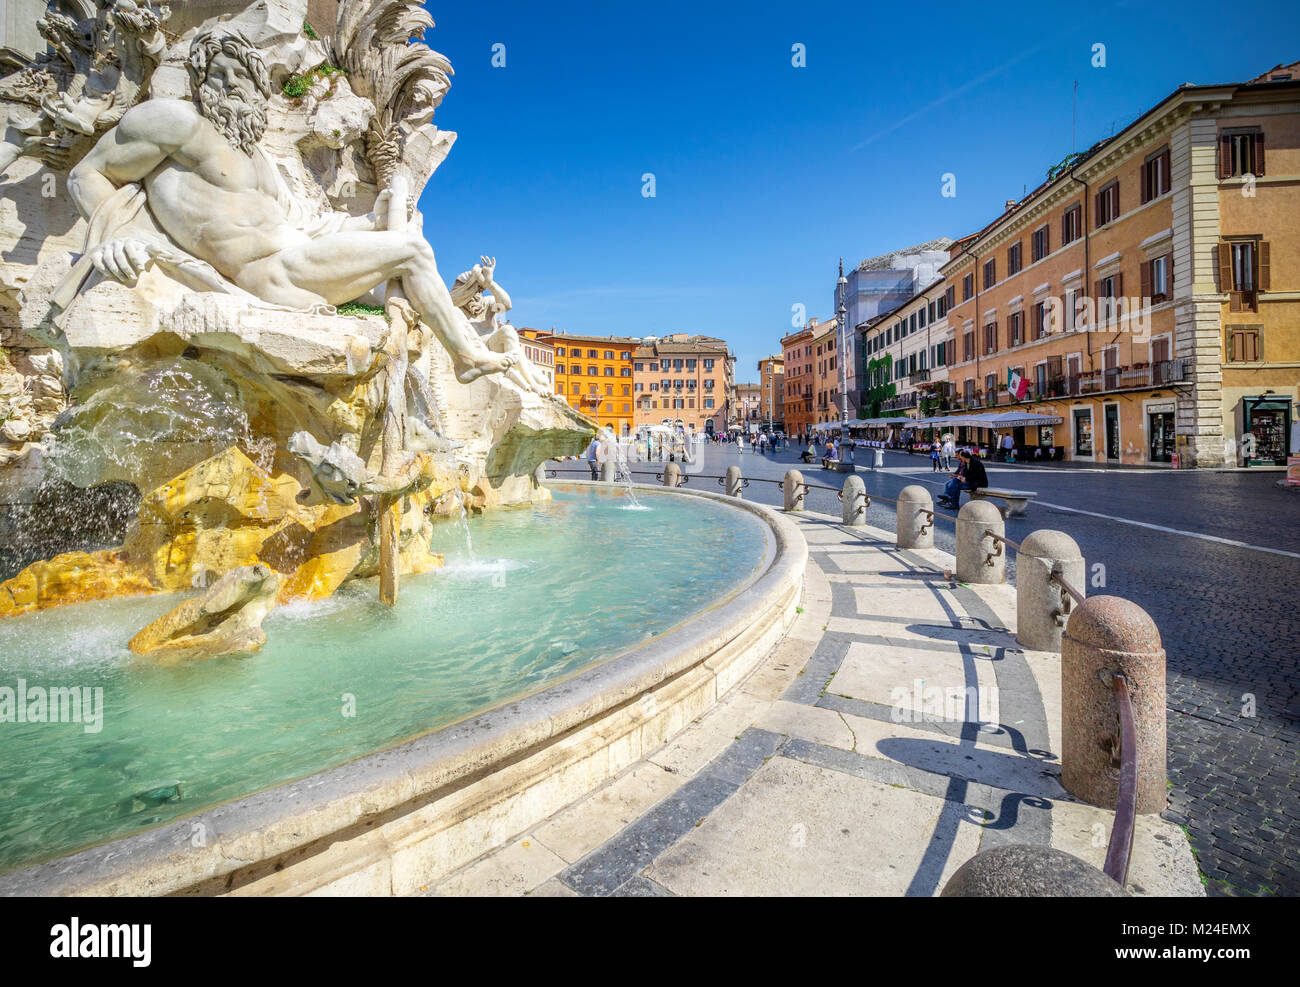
935,450
1008,448
946,452
592,452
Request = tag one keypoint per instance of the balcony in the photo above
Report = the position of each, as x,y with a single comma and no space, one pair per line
918,376
900,403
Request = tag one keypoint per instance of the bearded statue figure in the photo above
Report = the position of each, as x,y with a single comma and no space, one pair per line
220,217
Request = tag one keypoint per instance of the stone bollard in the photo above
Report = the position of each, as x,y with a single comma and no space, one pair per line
608,471
672,475
1019,871
853,501
1109,634
974,564
733,481
1040,609
794,490
915,529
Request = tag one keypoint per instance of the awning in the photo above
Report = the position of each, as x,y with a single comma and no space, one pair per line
1000,419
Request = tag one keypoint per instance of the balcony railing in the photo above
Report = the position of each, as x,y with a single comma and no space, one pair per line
900,403
918,376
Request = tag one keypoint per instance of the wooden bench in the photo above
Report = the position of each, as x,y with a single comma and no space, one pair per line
1015,501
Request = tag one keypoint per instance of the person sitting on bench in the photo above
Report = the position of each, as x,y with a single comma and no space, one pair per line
970,475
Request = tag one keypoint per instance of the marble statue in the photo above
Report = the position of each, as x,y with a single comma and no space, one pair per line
226,618
227,184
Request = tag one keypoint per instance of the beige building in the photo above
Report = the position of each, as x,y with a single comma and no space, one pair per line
748,409
683,380
771,383
1145,298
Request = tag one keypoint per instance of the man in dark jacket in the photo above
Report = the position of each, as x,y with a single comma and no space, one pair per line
970,475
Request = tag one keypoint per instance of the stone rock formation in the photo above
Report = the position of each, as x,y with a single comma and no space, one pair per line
236,343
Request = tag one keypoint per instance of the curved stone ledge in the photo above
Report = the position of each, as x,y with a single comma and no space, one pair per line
398,820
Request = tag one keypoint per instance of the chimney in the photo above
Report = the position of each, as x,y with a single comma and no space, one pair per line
1011,204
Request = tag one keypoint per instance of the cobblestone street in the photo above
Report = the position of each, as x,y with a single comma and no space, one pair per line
1215,559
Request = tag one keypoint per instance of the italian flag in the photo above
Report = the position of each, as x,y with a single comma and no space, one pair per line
1017,385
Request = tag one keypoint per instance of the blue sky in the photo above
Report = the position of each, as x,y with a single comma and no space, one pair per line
765,174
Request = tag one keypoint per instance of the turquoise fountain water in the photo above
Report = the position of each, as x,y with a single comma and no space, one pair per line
548,590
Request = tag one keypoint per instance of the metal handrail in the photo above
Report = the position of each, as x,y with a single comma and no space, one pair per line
1120,849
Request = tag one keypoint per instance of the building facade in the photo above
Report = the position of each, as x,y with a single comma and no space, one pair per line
904,357
684,381
1147,292
594,374
877,286
749,413
828,380
541,351
796,355
771,382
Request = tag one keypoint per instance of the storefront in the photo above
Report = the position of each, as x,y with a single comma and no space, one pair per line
1082,432
1160,432
1266,436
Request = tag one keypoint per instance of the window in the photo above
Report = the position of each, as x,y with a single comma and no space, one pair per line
1040,320
920,318
1243,344
624,356
690,364
638,387
626,390
609,371
1107,205
1241,152
1155,175
609,354
625,371
592,354
1071,310
1244,271
593,372
1156,281
559,351
1109,290
609,389
1013,259
677,364
967,286
990,337
1015,328
708,402
911,322
968,346
990,273
949,299
559,368
933,310
1072,224
991,390
640,367
1040,243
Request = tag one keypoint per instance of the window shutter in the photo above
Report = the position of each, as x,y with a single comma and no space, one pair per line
1225,267
1114,201
1169,274
1097,220
1225,156
1097,290
1119,285
1252,347
1263,279
1167,169
1259,154
1232,346
1146,279
1146,181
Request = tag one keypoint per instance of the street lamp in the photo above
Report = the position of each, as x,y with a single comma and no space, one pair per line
842,314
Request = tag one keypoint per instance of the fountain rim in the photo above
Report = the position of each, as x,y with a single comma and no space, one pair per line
255,833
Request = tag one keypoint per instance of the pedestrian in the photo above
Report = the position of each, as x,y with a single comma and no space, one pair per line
592,452
1008,448
947,452
934,456
970,475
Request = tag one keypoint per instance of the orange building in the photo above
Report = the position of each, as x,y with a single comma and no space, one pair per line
799,381
771,382
594,374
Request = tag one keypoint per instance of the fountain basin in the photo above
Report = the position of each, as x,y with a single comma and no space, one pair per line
394,821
